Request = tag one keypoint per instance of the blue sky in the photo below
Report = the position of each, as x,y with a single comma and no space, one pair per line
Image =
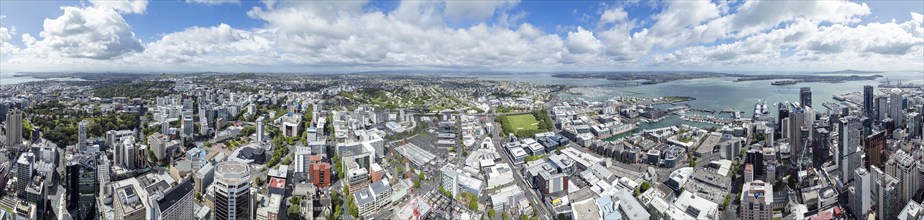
207,35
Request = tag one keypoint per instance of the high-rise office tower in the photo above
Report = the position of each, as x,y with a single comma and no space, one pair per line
14,128
862,184
24,168
889,190
82,134
896,112
164,125
177,202
882,107
757,200
805,96
232,191
796,138
782,112
260,129
755,157
849,141
874,146
903,167
188,129
821,144
868,96
81,182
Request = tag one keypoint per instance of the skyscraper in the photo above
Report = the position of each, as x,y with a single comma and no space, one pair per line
861,185
902,166
882,107
14,128
783,112
260,129
81,185
188,129
896,112
24,168
889,190
873,149
164,125
849,140
232,191
82,134
755,157
796,137
805,96
757,200
868,96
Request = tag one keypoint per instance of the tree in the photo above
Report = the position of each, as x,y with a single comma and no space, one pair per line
645,186
354,211
504,216
421,176
248,130
258,182
198,196
473,204
338,212
524,217
491,213
26,129
293,212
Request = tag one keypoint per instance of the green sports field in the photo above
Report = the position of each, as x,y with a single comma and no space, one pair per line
523,122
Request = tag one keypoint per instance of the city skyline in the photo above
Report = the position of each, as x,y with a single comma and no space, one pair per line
321,36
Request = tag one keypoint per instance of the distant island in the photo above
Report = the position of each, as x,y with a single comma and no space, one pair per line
653,77
850,71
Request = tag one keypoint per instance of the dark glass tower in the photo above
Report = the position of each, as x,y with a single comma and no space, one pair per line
868,96
805,96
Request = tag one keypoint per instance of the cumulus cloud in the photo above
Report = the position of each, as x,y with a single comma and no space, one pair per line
123,6
349,34
613,15
475,9
92,32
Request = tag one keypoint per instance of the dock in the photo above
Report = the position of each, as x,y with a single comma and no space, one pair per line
690,108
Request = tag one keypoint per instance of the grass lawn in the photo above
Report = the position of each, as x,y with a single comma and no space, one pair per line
523,122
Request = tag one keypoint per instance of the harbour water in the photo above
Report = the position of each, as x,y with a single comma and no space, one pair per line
710,93
713,93
9,78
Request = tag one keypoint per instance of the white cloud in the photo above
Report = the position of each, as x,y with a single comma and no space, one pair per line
755,16
123,6
214,2
92,32
418,34
582,42
475,9
613,15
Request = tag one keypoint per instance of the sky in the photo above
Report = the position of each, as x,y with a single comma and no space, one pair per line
458,35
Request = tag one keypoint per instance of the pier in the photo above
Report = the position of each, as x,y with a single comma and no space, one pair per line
690,108
733,112
832,106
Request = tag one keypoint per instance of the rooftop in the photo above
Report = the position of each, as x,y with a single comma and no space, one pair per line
176,194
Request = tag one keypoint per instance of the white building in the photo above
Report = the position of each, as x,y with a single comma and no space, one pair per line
232,191
903,167
260,129
861,185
